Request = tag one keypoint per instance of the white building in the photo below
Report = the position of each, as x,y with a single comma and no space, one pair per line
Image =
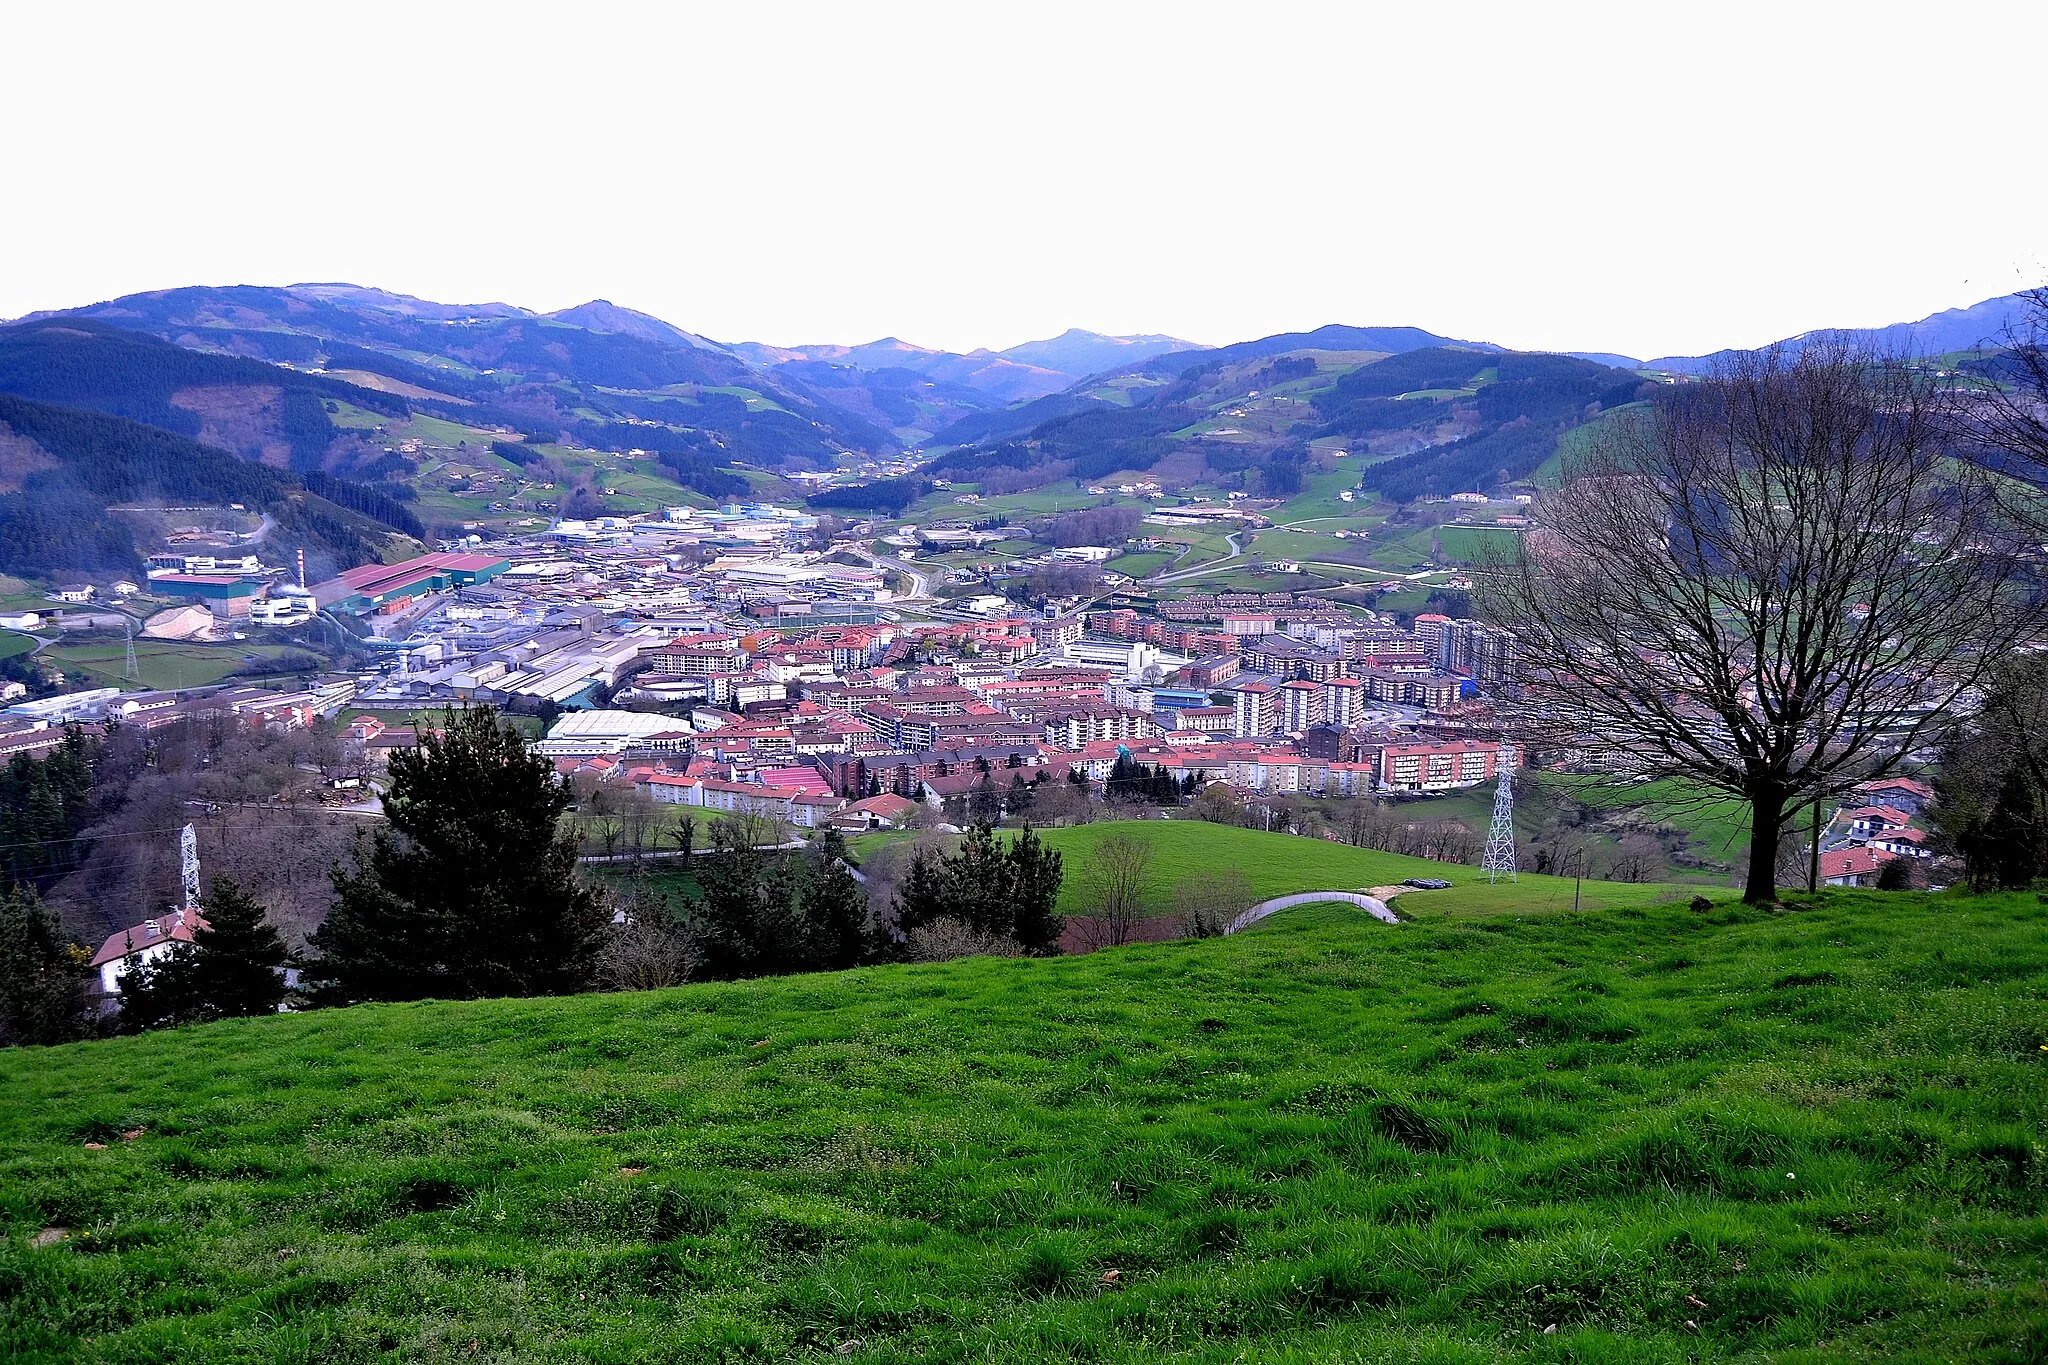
591,734
149,941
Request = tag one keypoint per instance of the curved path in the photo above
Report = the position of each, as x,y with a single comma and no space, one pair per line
1207,566
1376,908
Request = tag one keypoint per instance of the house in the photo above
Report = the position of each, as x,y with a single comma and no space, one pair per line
1868,822
1852,866
146,942
671,789
887,811
937,790
1899,793
1901,843
74,592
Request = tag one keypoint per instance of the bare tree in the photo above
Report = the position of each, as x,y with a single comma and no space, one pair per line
1775,583
1637,858
645,948
947,938
1206,904
2009,417
1115,883
1218,804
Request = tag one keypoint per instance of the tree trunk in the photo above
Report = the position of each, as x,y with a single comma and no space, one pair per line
1767,823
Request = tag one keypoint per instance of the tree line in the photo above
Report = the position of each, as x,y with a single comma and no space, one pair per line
470,888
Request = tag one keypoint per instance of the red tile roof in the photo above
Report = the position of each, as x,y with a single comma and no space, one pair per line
172,928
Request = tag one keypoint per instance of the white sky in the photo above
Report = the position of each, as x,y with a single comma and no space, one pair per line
1644,178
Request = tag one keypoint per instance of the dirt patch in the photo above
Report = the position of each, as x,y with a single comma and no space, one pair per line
384,383
1387,893
48,1237
19,458
1086,933
244,418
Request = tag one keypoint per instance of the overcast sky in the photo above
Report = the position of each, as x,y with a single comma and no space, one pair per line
1651,179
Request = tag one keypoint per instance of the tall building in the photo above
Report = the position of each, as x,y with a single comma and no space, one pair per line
1301,705
1343,701
1254,707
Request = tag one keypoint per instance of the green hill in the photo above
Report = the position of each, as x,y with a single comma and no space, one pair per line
1669,1136
1281,865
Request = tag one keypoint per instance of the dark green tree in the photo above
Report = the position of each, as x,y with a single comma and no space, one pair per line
43,804
922,897
233,967
1004,888
2007,850
42,973
1993,769
471,890
730,928
1035,888
843,929
767,914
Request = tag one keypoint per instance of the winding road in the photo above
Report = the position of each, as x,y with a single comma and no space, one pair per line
1209,566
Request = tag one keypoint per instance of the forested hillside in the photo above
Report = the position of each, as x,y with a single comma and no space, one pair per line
504,366
64,467
82,364
1436,418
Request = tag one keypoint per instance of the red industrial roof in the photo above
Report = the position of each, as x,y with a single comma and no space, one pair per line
369,578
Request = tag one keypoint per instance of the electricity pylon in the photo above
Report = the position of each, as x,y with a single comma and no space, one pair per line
130,671
1499,856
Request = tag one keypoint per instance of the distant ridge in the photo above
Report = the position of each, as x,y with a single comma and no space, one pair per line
602,315
1330,337
1952,329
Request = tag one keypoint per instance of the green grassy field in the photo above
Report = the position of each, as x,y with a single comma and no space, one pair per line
1466,544
1301,546
13,642
1627,1136
1140,563
1717,826
1318,496
162,663
1282,864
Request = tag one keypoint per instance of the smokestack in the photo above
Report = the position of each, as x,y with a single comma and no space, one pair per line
302,566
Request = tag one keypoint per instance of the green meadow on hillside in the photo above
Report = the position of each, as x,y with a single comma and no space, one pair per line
1631,1135
1281,864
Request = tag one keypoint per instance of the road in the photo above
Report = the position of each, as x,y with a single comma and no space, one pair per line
1210,566
920,582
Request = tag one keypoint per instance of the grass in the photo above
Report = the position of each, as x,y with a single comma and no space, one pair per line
1318,496
1669,1136
1468,544
1282,864
1717,826
13,642
1141,563
161,663
1307,547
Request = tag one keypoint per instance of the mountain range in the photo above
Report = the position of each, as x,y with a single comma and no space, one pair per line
305,379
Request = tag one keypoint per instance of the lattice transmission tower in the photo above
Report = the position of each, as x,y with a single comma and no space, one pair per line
188,865
1499,856
129,671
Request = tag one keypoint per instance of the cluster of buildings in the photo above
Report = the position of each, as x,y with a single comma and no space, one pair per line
727,658
35,727
1882,824
733,663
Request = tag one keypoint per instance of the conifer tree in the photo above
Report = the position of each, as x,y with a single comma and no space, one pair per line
42,973
240,958
1035,889
471,890
233,967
